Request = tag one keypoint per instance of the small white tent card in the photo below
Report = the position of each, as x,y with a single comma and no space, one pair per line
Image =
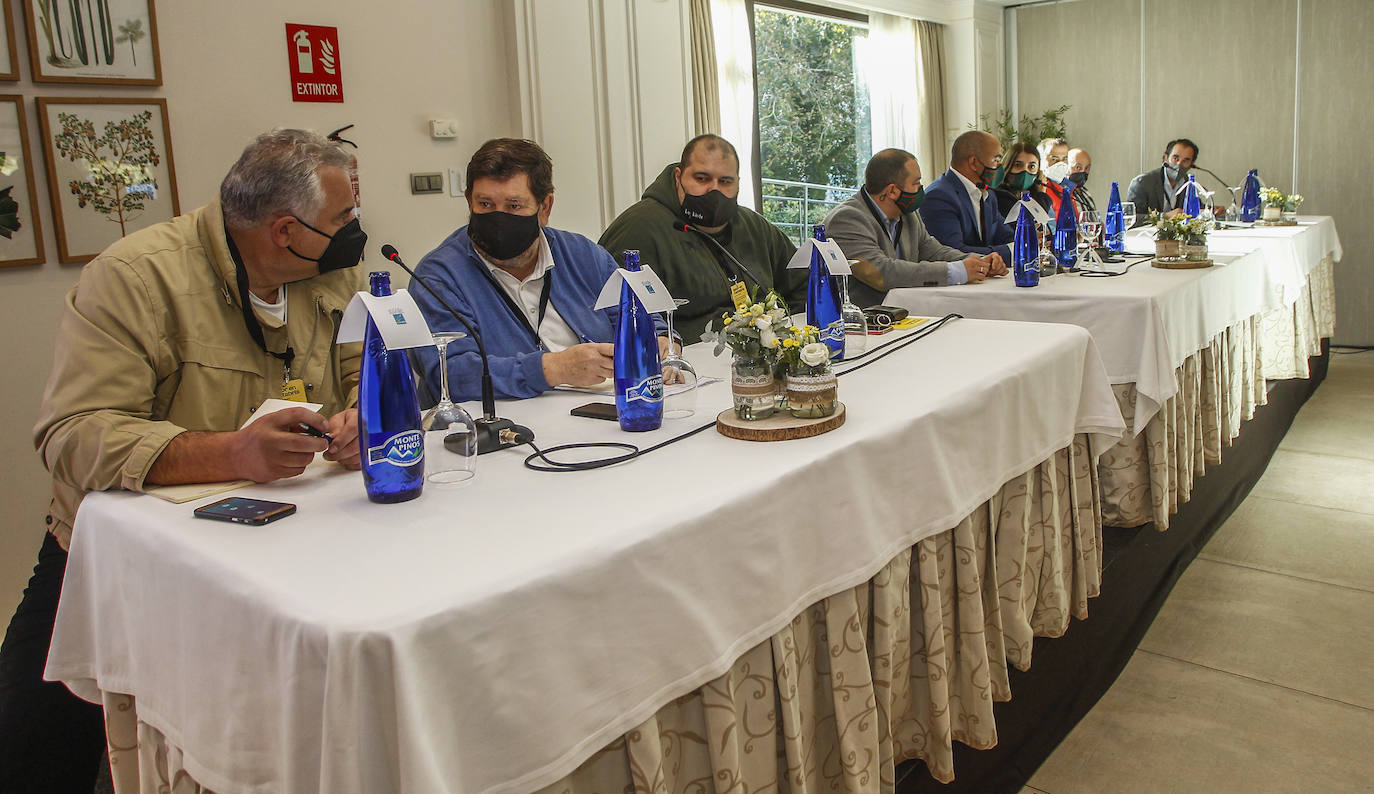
646,286
1036,211
397,317
831,255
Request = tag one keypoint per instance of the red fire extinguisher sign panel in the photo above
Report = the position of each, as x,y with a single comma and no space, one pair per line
313,53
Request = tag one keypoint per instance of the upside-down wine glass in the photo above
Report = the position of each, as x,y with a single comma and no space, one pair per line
450,433
679,376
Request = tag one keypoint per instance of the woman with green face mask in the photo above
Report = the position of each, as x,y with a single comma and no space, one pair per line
1022,164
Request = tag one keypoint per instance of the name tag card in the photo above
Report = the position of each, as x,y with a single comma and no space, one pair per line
1036,211
645,284
835,260
397,317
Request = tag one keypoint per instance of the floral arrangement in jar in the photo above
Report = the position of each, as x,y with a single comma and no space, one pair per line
1278,205
811,383
754,334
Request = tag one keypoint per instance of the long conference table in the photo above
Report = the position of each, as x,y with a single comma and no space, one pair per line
1187,351
817,610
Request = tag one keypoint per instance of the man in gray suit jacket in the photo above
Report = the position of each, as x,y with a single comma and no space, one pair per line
879,226
1162,189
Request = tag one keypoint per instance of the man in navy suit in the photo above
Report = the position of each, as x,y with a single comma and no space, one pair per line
960,210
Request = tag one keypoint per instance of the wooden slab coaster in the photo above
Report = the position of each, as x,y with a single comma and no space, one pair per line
1182,264
781,426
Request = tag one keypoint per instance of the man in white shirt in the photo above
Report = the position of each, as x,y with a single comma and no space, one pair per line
1162,188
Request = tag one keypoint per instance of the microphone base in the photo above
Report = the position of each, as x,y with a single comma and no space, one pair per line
490,432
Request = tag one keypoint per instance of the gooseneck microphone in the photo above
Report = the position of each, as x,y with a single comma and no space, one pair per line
1223,182
743,271
493,433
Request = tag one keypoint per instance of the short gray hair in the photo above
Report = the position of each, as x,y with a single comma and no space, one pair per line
278,174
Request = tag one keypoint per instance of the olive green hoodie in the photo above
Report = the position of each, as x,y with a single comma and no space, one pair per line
694,269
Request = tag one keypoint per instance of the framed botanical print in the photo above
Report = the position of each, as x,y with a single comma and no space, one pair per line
110,170
21,236
9,57
93,41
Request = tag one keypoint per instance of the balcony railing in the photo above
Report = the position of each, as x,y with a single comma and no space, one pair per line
795,206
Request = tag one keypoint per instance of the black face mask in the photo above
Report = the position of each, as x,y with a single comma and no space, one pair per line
910,202
344,250
710,209
1079,178
503,235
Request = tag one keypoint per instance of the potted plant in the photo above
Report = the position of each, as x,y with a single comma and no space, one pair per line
1193,232
1279,207
754,335
811,383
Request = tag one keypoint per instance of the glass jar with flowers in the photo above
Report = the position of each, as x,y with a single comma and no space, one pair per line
811,383
1168,234
1279,207
753,334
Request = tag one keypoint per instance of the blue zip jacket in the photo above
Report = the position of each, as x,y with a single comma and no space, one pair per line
458,273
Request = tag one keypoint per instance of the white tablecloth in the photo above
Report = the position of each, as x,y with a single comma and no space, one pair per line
1147,322
493,637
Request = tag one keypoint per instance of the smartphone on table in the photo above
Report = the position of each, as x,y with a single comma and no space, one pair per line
242,510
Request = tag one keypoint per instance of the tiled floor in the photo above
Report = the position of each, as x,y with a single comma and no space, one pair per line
1258,674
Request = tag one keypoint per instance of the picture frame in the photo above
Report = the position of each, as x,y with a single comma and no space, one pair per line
110,169
9,58
117,45
21,231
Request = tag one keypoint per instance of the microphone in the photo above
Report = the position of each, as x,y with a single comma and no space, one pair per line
683,227
493,433
1223,182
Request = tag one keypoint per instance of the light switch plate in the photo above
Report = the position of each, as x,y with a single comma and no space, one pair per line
432,182
455,182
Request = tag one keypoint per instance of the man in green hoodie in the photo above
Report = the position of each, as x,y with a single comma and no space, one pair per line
691,230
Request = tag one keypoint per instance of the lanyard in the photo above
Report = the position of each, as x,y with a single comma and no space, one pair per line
250,320
519,312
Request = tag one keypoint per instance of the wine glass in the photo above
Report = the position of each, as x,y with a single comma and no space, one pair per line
855,323
450,433
1089,227
1128,213
1046,262
679,376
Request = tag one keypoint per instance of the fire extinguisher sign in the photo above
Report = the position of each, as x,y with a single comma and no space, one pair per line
313,52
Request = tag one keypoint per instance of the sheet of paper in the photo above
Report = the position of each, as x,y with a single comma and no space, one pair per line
397,317
271,405
645,284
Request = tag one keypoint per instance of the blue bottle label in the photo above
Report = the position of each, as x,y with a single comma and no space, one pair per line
403,449
650,390
833,334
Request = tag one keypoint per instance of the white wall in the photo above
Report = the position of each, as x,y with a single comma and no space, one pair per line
225,80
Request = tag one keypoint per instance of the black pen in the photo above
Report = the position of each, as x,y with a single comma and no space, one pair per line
311,430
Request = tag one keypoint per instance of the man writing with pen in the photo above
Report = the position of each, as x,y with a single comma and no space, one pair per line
526,287
170,340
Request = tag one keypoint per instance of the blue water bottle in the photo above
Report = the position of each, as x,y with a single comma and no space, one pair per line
1025,250
638,373
1114,225
1192,202
823,301
1250,197
1066,231
393,447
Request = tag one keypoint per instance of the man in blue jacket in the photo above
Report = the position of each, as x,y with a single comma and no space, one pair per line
528,288
960,210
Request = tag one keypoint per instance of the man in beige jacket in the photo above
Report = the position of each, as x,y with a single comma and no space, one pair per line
167,344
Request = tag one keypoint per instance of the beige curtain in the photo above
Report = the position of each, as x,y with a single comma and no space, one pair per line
705,88
932,149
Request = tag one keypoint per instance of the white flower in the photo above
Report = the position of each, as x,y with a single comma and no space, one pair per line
766,336
777,315
815,354
756,310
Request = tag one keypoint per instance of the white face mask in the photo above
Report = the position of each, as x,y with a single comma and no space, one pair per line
1058,171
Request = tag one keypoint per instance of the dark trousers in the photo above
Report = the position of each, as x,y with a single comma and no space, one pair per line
50,739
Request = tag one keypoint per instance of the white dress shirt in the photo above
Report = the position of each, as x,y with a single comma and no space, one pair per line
975,195
554,332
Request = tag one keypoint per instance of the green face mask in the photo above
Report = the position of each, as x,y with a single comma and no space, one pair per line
910,202
1019,181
